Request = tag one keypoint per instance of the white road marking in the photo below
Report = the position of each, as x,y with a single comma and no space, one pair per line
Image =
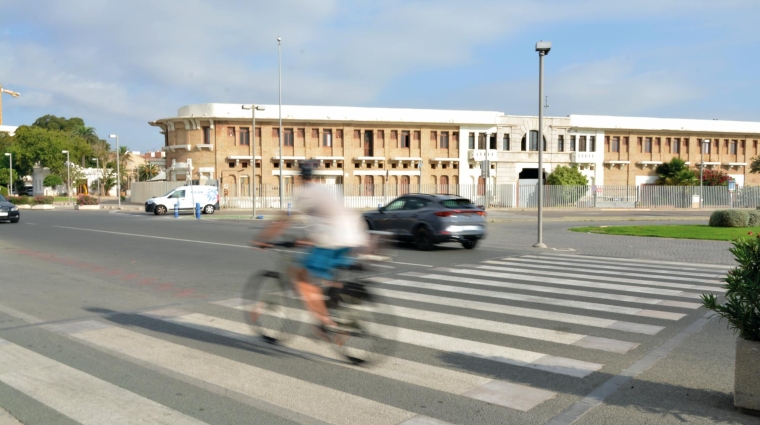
586,265
79,396
521,312
551,290
689,266
154,237
427,376
508,355
306,398
529,298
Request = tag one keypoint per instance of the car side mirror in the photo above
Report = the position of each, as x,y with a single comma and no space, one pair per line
381,210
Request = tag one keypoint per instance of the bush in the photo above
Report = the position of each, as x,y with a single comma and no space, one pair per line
729,218
754,218
4,191
43,200
742,306
87,200
19,200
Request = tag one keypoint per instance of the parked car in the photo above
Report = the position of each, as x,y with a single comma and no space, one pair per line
186,197
8,211
427,220
27,190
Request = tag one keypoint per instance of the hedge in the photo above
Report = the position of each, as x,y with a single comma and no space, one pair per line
4,191
87,200
754,219
729,218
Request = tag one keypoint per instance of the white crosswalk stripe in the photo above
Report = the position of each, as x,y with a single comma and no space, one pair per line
571,307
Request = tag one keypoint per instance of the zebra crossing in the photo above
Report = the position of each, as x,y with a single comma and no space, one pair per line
505,340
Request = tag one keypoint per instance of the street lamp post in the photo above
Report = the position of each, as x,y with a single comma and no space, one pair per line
542,47
118,171
253,109
705,143
279,133
68,175
97,166
10,182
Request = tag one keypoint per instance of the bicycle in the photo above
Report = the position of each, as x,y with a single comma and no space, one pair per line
274,312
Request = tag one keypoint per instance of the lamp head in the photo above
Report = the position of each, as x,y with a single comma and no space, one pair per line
245,106
279,39
706,141
8,154
260,108
544,47
113,136
64,151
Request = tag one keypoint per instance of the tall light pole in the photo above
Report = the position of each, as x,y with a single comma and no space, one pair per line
253,109
542,47
68,175
10,182
97,166
279,133
118,171
705,143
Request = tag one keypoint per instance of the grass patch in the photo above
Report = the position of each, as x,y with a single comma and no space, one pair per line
676,231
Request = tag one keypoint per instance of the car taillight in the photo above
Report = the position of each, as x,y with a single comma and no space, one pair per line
482,213
444,213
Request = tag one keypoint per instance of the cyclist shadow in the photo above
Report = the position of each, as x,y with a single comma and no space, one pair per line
158,322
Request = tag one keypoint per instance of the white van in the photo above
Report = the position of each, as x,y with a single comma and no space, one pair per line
186,197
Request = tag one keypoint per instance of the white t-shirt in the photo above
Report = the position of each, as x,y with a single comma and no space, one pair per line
329,223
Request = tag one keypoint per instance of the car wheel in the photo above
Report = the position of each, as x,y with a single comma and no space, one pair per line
15,220
208,209
160,210
423,240
469,244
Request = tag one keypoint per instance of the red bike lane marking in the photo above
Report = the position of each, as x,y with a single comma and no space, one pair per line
138,279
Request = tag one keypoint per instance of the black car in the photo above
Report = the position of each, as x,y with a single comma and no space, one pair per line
427,220
8,211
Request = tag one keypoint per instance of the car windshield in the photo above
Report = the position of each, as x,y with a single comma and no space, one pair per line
457,203
2,199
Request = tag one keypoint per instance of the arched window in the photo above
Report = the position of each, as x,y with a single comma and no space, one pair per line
444,184
530,142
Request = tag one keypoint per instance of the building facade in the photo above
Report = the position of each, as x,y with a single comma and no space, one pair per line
437,148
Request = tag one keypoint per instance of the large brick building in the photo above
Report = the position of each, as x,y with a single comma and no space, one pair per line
372,146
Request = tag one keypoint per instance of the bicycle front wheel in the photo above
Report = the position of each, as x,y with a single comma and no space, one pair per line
268,298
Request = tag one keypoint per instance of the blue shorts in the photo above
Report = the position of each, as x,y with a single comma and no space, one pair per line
322,262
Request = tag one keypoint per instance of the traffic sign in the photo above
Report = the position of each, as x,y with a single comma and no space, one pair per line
731,185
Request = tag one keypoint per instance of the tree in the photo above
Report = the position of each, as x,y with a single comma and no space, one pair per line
714,178
51,181
566,176
51,122
754,166
146,172
676,173
36,145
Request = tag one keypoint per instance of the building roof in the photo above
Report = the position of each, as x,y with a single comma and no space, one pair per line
664,124
339,114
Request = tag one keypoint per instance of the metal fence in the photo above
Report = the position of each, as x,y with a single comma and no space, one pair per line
495,196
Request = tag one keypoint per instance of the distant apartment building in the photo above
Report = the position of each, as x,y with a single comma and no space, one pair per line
373,146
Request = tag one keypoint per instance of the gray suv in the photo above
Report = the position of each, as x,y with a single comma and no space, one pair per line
426,220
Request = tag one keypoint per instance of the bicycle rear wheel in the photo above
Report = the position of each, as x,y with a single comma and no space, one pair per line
359,337
268,298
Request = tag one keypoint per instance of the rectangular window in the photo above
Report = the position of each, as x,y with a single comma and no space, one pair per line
258,132
572,143
357,134
744,147
434,137
288,137
245,137
276,132
207,135
471,141
561,143
492,142
338,134
732,147
676,146
404,139
380,134
658,144
647,148
482,140
592,143
625,142
615,144
505,142
417,137
394,136
455,136
705,147
582,144
444,143
231,131
327,137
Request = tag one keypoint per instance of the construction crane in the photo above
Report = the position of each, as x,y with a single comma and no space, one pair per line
10,92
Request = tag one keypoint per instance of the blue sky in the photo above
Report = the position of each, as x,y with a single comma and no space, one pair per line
120,64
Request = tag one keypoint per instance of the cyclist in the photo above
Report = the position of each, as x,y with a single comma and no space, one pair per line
334,232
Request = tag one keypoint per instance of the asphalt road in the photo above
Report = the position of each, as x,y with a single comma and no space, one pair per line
117,317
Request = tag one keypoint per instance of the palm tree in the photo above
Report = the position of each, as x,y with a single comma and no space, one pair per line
147,171
676,173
